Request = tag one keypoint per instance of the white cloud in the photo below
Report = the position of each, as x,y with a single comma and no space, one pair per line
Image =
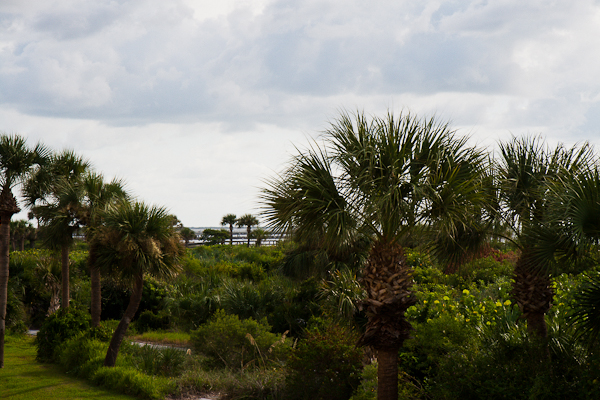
193,101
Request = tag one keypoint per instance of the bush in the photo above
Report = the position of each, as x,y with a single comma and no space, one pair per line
230,342
326,364
167,361
58,327
149,321
81,355
131,381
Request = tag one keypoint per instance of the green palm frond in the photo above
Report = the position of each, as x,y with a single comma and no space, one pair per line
136,237
586,314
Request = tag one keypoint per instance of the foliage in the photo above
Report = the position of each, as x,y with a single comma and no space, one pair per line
58,327
131,381
238,344
214,236
147,320
326,364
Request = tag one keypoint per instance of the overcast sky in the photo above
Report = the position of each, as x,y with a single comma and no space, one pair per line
195,102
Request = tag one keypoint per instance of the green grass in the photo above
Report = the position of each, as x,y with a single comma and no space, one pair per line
24,378
162,337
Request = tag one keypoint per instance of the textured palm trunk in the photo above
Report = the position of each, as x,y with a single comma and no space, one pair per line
117,338
64,260
4,245
230,234
248,230
532,291
96,295
387,374
388,282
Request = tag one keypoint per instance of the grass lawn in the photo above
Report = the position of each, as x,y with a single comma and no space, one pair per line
162,337
24,378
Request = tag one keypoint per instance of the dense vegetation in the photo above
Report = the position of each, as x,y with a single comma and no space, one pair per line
255,332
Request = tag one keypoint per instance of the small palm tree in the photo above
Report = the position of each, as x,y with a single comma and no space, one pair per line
247,220
381,182
259,235
16,161
229,219
97,195
527,172
134,241
55,195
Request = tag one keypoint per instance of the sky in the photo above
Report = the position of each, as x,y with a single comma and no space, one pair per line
195,103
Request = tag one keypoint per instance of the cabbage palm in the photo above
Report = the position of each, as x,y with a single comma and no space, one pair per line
16,161
55,195
229,219
98,195
383,180
527,171
136,240
247,220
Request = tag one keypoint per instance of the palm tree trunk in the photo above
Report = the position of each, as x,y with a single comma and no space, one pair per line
230,234
22,243
387,374
4,245
96,295
64,260
532,291
248,230
134,303
387,327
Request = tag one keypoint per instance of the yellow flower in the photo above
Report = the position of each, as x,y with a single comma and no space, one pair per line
498,304
482,308
446,298
424,301
507,303
467,319
466,291
436,302
488,323
428,320
475,312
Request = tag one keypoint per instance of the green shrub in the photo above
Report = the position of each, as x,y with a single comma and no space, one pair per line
58,327
151,360
230,342
325,365
131,381
149,321
81,355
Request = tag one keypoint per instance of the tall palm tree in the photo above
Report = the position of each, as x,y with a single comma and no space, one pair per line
247,220
527,171
136,240
98,195
383,180
16,161
229,219
55,196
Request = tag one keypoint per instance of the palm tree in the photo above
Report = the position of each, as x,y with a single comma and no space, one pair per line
16,161
259,235
55,196
382,181
247,220
229,219
136,240
526,172
97,196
